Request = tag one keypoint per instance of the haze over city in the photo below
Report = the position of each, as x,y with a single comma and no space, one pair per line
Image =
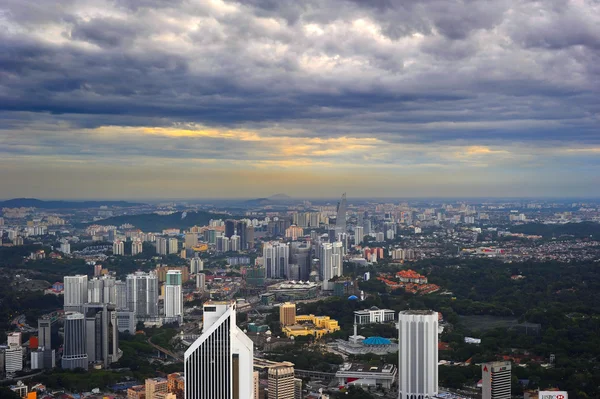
183,99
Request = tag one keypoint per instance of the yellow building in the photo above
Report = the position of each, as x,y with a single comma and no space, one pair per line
311,325
155,386
287,314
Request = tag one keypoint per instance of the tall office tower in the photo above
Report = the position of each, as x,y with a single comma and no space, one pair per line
118,247
173,297
331,258
65,248
219,364
359,234
191,240
276,257
340,218
234,243
200,281
173,246
45,333
281,382
496,380
222,244
161,246
13,359
315,219
301,256
229,228
102,290
121,295
136,247
418,354
142,294
240,228
287,314
75,292
367,227
249,239
101,333
196,265
74,348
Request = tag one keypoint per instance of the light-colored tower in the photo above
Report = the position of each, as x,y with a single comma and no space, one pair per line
331,259
173,246
287,314
496,380
142,294
136,247
234,243
219,364
191,240
200,282
359,234
121,294
75,293
161,246
418,354
256,384
74,353
118,247
340,219
281,382
196,265
276,257
173,297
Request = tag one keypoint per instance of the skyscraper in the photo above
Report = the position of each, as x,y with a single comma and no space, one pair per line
191,240
281,382
331,256
276,259
75,292
300,255
418,354
121,294
200,281
136,247
196,265
219,364
118,247
102,290
173,246
340,219
74,352
229,228
496,380
287,314
234,243
359,234
173,297
161,246
101,333
44,333
142,294
240,228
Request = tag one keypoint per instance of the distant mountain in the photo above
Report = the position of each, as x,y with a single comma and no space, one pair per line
36,203
152,222
280,197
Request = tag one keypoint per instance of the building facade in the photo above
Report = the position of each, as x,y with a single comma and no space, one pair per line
281,382
496,380
173,297
74,352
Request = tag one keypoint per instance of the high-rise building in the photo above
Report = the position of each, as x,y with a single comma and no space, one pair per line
281,382
297,388
294,232
191,240
229,228
496,380
359,234
173,246
44,333
43,359
118,247
418,354
234,243
219,364
136,247
200,282
196,265
14,339
155,386
142,294
276,259
74,352
101,333
248,240
331,258
256,384
75,292
222,244
102,290
173,297
13,359
301,256
65,248
287,314
340,219
121,295
161,246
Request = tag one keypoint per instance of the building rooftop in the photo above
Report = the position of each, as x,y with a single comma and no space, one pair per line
418,312
358,367
377,341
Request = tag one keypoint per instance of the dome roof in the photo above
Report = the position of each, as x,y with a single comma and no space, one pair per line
377,341
352,297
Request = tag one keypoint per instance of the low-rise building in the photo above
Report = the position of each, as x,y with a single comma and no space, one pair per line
367,376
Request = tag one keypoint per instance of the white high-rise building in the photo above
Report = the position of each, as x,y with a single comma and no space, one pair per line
331,257
196,265
65,248
276,257
161,246
120,295
234,243
75,293
219,364
102,290
118,247
418,354
173,246
173,297
200,282
74,352
142,294
359,234
13,359
136,247
496,380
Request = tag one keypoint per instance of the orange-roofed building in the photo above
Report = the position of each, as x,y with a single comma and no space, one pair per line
410,276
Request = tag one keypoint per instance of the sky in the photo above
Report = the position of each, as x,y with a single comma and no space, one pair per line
132,99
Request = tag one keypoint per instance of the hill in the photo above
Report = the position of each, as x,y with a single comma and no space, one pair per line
153,222
579,230
36,203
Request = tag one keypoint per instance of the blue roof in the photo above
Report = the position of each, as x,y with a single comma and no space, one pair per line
377,341
352,297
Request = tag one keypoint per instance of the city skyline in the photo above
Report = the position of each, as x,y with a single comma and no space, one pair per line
115,99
